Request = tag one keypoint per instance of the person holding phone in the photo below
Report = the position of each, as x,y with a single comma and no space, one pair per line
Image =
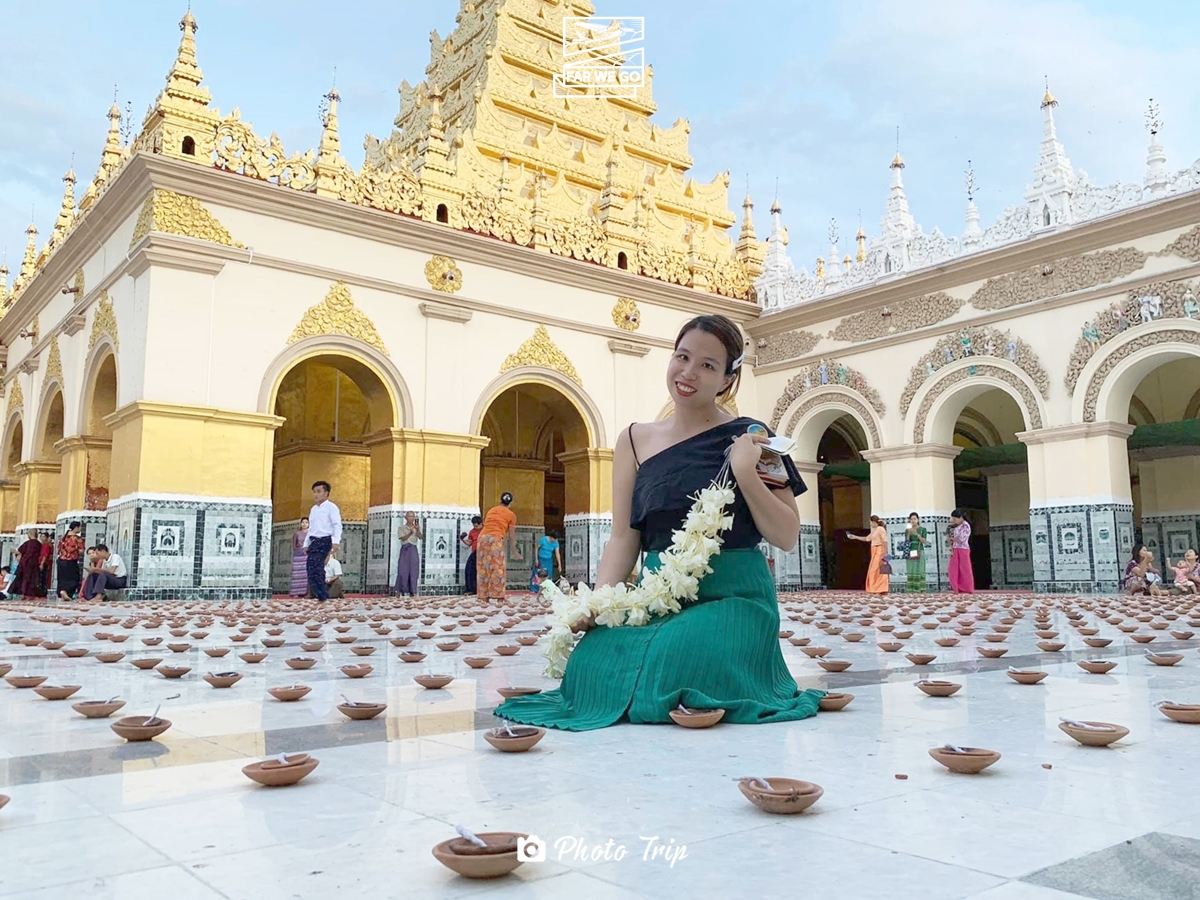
878,581
917,540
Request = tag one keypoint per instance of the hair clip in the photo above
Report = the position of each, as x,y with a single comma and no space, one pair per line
737,363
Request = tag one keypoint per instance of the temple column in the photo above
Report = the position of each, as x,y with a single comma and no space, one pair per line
190,509
915,478
1080,506
38,505
434,474
83,485
588,520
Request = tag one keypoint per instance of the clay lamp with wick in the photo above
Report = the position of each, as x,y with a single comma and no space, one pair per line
360,670
1093,734
1096,666
141,728
489,854
1025,676
1165,659
98,709
289,693
25,681
149,662
412,656
363,650
964,760
1188,713
360,710
782,796
301,662
433,682
217,652
223,679
254,656
832,702
920,659
939,688
283,770
74,652
508,739
508,649
57,692
696,718
509,692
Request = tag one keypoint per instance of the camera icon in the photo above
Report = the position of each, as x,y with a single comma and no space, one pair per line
531,849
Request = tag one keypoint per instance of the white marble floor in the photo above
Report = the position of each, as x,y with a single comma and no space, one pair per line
93,816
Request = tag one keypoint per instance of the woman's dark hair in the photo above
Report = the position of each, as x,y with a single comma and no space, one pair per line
918,515
1137,551
476,520
877,520
958,514
506,498
74,525
730,336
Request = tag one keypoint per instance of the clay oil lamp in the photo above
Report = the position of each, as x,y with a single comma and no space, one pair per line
273,642
1097,641
97,709
401,642
449,645
152,641
426,635
507,650
964,630
920,659
55,691
939,688
359,670
1096,666
489,854
1050,646
497,629
5,668
179,648
312,646
1143,638
53,645
995,638
273,632
784,635
239,638
412,656
363,650
403,626
512,691
527,640
1159,626
1093,734
217,652
834,665
178,632
74,652
253,657
514,738
964,760
947,642
814,652
889,646
833,702
172,671
199,635
1046,634
285,769
301,662
902,635
248,629
799,641
782,796
110,657
149,662
360,710
223,679
346,638
433,682
312,635
1165,659
140,728
447,626
1183,635
1127,628
342,629
1188,713
853,637
478,662
991,652
929,626
696,718
1025,676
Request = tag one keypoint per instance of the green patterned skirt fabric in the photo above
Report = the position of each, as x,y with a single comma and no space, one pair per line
721,651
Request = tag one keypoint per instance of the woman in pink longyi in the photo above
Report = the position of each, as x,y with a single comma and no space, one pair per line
962,577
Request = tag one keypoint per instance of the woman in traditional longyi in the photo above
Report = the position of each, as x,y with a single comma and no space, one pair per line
722,649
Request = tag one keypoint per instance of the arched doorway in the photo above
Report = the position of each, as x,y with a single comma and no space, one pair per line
991,485
540,451
10,482
100,402
1164,460
843,491
332,404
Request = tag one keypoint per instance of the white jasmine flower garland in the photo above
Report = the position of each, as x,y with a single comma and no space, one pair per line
659,593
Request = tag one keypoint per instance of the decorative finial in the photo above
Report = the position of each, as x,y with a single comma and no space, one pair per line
1048,99
833,232
970,182
1153,122
897,160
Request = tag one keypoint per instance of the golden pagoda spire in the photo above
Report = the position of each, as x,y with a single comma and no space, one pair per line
66,215
330,166
3,288
29,263
181,124
861,240
110,159
1048,98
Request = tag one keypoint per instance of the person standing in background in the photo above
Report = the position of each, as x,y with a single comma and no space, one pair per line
408,567
962,576
324,537
499,532
299,586
70,575
471,539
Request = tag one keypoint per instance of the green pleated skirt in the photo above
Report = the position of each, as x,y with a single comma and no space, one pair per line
721,651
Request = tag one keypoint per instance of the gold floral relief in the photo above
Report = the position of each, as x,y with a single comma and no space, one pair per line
626,315
104,322
443,274
540,350
337,314
16,398
54,367
172,213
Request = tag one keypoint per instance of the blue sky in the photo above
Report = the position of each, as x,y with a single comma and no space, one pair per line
806,93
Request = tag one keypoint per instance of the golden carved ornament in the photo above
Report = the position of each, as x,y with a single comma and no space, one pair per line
541,351
626,315
171,213
443,274
1126,314
80,286
787,345
54,367
16,398
1060,276
975,342
337,314
821,374
906,315
238,149
104,322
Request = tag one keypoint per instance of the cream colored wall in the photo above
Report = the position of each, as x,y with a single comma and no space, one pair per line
1008,498
1167,390
1170,485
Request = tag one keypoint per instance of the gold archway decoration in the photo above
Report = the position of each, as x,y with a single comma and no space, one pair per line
172,213
54,361
16,398
626,315
443,274
104,322
540,350
337,314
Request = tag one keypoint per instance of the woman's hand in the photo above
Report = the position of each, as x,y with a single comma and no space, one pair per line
746,452
584,624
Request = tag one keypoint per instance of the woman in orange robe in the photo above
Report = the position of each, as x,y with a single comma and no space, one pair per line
877,582
498,533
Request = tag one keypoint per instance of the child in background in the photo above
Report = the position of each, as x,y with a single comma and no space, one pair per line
1183,576
535,584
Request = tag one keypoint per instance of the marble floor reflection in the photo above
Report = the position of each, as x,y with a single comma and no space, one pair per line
91,815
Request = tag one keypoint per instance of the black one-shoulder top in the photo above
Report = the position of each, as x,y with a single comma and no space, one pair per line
666,482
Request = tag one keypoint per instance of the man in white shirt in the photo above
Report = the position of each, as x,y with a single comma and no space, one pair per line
106,573
333,578
324,537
